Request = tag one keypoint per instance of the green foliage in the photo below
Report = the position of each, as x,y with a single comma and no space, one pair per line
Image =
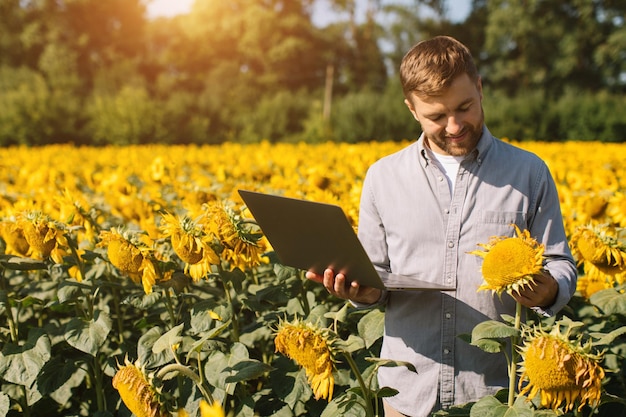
62,340
576,115
129,117
35,112
367,115
274,117
93,72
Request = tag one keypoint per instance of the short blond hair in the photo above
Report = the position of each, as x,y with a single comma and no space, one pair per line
431,65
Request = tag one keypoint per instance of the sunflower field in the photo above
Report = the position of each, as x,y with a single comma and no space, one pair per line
134,281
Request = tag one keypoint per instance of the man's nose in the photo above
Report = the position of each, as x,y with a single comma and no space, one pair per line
454,125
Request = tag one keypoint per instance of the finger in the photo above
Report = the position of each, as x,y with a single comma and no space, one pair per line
340,284
314,277
329,280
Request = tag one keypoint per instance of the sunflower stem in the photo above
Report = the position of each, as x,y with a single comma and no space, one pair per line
513,361
169,306
365,389
24,402
184,370
98,385
233,310
13,329
79,261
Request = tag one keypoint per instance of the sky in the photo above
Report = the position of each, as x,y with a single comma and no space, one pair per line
458,9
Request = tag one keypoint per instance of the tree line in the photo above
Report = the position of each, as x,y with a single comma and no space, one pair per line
94,72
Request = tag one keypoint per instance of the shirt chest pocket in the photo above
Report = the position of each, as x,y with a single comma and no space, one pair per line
491,224
498,223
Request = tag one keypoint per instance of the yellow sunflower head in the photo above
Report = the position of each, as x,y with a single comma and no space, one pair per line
211,410
188,239
130,253
312,348
45,237
509,263
243,245
125,252
589,284
599,245
14,240
617,209
137,391
592,205
562,371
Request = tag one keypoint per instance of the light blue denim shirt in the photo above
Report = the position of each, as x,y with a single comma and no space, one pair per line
410,224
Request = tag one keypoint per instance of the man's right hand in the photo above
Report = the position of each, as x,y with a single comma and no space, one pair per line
340,287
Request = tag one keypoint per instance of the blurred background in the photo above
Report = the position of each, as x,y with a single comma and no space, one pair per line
100,72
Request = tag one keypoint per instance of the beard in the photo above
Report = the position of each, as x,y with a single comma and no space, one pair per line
450,147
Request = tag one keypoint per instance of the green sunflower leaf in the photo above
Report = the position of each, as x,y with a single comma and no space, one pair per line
371,327
608,338
610,301
490,406
17,263
492,329
385,392
88,336
169,339
391,363
21,364
219,366
5,404
246,370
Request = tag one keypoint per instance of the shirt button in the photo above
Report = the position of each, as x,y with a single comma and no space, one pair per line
447,211
450,244
446,351
448,315
440,178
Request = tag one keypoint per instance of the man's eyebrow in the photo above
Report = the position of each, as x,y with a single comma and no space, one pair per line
461,104
466,102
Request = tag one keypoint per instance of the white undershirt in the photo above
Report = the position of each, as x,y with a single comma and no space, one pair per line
449,165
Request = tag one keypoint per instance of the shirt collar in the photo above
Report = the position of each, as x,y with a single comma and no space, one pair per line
485,142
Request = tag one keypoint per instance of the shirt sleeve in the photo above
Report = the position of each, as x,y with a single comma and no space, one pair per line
548,227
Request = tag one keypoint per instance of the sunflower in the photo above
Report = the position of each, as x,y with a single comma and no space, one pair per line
137,391
189,241
73,209
206,410
211,410
589,284
130,254
242,246
509,263
599,245
14,240
562,371
617,209
312,348
45,237
592,205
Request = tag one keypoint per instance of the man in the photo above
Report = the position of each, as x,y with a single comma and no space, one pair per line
424,208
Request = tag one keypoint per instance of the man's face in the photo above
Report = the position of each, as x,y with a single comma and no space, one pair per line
452,122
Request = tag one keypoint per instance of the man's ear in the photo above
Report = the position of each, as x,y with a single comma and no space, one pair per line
411,108
480,87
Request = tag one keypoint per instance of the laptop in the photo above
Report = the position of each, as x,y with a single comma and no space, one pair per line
310,235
